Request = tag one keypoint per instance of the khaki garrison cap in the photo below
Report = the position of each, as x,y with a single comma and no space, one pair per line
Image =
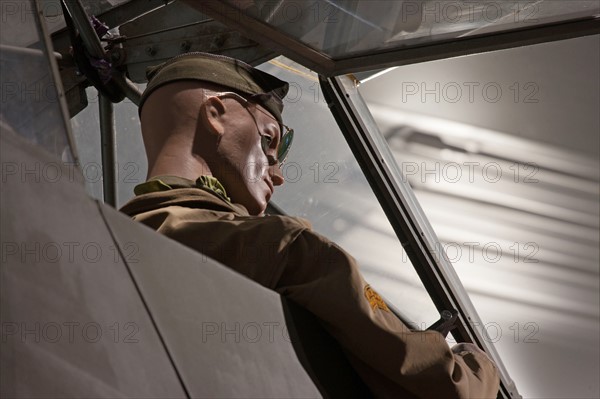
267,90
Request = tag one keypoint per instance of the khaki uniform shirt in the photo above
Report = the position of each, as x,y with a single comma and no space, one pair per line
284,254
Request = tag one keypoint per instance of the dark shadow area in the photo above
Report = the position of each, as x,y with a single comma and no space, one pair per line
321,356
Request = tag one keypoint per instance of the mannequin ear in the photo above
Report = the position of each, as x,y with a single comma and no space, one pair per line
213,111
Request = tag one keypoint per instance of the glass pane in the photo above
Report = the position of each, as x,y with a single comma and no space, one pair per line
325,185
29,102
132,165
344,28
86,133
511,186
131,161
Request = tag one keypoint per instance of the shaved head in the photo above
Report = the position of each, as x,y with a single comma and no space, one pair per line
191,129
171,116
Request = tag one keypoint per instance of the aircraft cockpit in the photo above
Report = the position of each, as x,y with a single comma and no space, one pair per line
450,146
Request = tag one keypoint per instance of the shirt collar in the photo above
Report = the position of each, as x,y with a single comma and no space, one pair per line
167,182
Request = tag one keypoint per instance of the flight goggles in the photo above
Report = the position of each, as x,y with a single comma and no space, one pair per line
286,134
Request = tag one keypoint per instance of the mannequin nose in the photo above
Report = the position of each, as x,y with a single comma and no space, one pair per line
276,175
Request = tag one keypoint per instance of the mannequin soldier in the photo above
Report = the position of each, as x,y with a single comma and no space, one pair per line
215,140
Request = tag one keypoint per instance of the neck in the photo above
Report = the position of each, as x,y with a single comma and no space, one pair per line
176,158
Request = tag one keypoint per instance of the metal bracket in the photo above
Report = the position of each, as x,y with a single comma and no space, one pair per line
446,323
176,29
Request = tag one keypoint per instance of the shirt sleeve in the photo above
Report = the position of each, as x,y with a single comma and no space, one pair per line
392,360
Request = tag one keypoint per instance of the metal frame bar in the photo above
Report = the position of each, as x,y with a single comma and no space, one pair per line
292,48
470,45
108,146
94,46
129,89
108,137
60,91
407,219
106,109
115,16
28,51
132,9
88,35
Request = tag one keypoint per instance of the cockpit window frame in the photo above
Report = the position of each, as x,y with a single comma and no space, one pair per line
407,218
271,37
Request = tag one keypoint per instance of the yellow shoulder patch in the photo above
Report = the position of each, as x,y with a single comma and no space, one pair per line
374,299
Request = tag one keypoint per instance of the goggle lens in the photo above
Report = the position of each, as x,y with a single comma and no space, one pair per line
284,146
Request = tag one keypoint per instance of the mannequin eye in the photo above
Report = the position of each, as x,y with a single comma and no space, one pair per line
265,142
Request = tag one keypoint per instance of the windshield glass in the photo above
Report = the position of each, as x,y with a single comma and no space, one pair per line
131,165
345,28
508,174
28,85
325,185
